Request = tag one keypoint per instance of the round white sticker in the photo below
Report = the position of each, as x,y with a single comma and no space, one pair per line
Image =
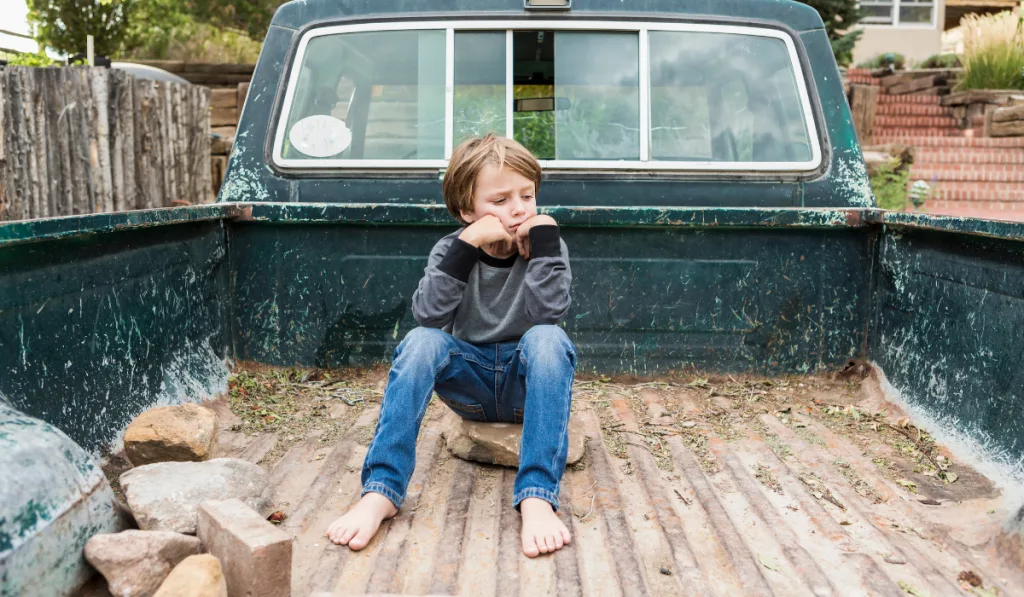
320,136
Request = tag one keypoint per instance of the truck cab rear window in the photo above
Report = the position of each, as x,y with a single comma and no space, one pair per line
683,97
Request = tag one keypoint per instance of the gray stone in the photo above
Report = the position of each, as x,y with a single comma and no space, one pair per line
498,443
166,496
135,563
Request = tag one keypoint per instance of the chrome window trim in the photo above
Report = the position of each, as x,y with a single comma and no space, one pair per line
641,28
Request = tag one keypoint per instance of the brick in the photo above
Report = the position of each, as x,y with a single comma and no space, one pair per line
918,132
893,109
914,139
969,155
991,210
915,121
978,191
255,555
968,172
887,98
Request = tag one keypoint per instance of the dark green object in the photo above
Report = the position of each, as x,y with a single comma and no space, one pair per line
102,316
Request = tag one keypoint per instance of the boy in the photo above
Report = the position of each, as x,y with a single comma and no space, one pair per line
489,303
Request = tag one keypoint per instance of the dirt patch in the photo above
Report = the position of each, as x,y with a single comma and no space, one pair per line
298,404
904,453
763,474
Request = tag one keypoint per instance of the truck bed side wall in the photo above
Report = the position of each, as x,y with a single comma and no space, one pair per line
949,323
97,327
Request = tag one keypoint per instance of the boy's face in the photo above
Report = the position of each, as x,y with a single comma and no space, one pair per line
504,194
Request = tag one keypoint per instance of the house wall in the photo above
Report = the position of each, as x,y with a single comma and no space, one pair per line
915,42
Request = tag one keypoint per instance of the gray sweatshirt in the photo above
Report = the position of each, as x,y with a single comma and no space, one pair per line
482,299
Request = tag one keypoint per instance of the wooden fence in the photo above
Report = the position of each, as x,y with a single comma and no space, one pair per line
82,140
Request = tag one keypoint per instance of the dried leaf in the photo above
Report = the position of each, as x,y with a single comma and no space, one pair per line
768,562
909,588
910,485
948,476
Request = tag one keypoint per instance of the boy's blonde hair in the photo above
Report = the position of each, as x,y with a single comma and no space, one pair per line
470,157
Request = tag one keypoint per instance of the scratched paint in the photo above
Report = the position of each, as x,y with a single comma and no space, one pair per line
948,318
96,328
738,290
53,498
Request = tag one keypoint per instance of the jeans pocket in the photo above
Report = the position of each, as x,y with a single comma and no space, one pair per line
472,412
517,416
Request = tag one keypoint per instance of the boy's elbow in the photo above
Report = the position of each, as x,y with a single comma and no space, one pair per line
548,314
430,320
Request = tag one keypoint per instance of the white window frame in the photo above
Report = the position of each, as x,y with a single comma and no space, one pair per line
642,29
896,15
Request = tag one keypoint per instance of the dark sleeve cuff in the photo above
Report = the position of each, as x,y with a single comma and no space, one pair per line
458,262
544,241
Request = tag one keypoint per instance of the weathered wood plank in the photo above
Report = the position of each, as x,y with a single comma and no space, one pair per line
865,105
5,129
82,140
66,200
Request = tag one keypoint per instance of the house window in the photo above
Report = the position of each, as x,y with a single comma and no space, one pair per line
598,95
898,12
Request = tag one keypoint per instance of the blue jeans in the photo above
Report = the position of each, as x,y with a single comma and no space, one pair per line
528,382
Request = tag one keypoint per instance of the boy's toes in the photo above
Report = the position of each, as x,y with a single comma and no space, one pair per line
360,540
566,536
530,547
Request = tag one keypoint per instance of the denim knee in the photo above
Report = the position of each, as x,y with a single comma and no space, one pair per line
423,346
546,341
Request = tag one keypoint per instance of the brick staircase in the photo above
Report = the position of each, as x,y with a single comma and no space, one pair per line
970,175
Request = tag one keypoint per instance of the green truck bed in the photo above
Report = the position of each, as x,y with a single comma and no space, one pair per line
698,283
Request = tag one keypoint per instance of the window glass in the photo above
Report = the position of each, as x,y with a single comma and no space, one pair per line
879,13
577,94
479,84
377,95
915,12
713,96
724,98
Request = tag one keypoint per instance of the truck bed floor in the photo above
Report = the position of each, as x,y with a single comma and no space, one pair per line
728,486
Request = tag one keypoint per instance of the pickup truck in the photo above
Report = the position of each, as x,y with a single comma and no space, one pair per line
785,390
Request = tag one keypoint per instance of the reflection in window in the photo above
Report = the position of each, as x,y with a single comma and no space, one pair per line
725,98
577,94
479,84
387,87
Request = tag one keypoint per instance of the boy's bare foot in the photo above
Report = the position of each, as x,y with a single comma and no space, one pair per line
543,531
357,526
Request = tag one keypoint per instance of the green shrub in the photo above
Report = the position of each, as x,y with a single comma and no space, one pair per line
993,51
940,61
187,39
889,183
897,60
27,59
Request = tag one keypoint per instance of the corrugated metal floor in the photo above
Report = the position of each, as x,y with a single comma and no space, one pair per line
688,488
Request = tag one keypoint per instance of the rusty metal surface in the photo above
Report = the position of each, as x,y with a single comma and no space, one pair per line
754,498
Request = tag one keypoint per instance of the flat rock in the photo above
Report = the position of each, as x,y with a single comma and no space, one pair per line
187,432
165,496
135,563
498,443
195,576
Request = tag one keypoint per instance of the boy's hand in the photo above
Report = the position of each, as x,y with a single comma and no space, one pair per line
485,231
523,232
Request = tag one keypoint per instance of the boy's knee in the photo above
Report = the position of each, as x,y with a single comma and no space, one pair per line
548,338
423,343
